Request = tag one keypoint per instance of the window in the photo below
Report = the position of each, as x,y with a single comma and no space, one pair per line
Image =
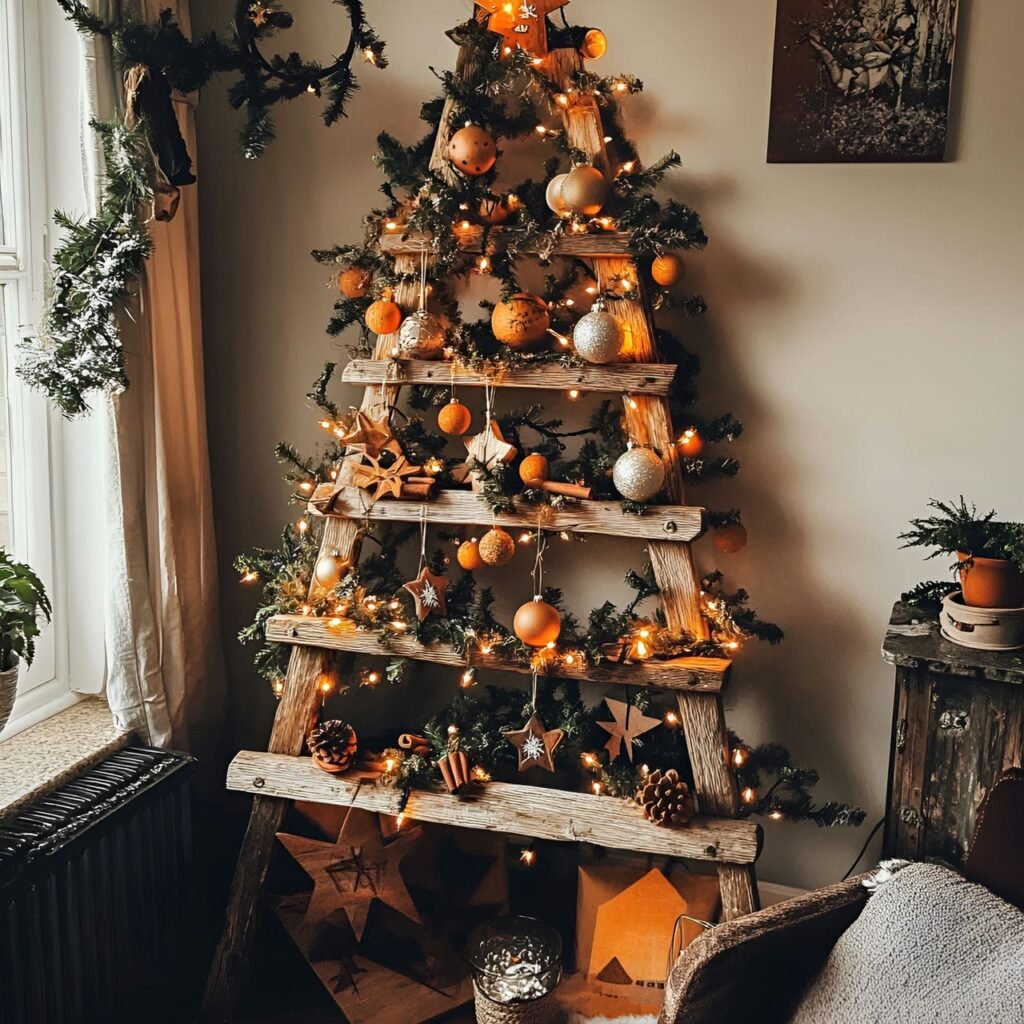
29,434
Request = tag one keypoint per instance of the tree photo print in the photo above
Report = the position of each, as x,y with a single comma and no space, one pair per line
862,80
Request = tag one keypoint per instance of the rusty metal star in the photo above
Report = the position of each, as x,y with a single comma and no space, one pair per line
628,724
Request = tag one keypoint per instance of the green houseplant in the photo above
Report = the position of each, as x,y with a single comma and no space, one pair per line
989,554
22,600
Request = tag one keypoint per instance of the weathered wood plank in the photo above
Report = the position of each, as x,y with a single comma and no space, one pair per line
471,240
675,523
739,890
618,378
504,807
699,675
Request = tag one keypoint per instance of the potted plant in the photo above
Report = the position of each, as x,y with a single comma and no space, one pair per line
989,554
22,599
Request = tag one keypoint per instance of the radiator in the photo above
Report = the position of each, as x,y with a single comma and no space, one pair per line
94,889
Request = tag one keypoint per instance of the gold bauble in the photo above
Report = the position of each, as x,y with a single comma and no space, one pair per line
666,270
598,337
454,419
595,44
383,316
584,190
534,470
469,555
472,150
729,538
639,474
521,321
493,211
537,623
354,283
329,570
553,195
497,546
421,336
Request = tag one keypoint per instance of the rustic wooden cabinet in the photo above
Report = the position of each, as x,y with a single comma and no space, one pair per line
958,724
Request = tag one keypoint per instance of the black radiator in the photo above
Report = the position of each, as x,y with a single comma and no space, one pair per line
94,892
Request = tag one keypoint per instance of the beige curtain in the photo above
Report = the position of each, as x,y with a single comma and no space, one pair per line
164,662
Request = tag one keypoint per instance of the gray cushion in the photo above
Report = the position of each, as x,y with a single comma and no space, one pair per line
928,947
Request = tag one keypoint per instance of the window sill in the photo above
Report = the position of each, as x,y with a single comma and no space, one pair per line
49,753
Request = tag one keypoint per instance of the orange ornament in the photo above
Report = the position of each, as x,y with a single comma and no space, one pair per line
469,555
595,44
729,538
472,150
355,282
494,211
534,470
690,443
497,547
454,419
383,317
537,623
521,321
667,270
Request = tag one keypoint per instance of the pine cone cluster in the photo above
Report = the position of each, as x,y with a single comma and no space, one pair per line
333,745
666,799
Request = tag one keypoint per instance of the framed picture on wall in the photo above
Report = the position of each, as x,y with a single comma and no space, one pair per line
862,80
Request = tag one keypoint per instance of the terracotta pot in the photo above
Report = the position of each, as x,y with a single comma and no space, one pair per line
991,583
8,689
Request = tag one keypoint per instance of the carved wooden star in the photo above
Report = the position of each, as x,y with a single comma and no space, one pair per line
367,472
535,744
369,436
628,725
357,868
428,591
489,447
521,23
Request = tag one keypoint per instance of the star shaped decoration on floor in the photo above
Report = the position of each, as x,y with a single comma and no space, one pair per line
489,448
369,436
628,724
359,867
521,23
428,591
366,472
535,744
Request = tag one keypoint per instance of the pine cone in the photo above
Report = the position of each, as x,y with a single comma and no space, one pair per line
333,745
666,799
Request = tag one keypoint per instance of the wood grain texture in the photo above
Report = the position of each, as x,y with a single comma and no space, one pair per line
505,807
582,118
700,675
471,240
739,890
640,379
676,523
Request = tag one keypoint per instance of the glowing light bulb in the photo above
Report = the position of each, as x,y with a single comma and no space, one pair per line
739,757
527,857
671,718
749,795
250,577
574,394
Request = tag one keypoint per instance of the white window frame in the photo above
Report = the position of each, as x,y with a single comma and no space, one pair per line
34,429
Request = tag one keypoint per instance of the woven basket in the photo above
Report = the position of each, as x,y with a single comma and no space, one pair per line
8,689
538,1011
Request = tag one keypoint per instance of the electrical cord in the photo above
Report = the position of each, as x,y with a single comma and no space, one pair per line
864,848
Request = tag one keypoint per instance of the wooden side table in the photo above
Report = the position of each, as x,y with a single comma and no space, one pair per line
958,724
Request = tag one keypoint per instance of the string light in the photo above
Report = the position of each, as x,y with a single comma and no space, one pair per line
302,526
590,760
574,394
278,687
433,466
369,55
483,265
306,486
468,678
325,684
528,856
749,795
739,757
775,814
671,719
251,576
525,538
597,788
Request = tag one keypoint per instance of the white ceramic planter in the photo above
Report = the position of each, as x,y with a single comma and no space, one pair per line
8,689
985,629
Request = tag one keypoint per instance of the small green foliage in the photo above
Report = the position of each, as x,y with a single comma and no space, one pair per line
23,601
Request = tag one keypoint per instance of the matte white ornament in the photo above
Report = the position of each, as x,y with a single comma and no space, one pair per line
639,474
554,195
421,336
599,335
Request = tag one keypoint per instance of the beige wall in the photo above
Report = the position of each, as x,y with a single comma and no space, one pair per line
854,311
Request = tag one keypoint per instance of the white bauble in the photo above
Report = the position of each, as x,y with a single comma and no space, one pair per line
598,337
639,474
421,336
554,195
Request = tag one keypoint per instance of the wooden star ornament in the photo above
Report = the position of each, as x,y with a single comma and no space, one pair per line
521,23
489,447
628,724
369,436
367,472
428,591
535,744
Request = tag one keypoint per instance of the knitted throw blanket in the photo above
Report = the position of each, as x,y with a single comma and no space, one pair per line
928,947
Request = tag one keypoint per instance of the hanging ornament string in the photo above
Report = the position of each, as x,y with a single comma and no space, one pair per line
538,565
423,279
423,539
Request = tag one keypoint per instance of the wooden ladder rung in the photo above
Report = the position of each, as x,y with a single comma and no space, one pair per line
471,240
679,523
532,811
616,379
687,675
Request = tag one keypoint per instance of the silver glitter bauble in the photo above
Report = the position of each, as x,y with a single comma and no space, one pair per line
554,194
421,336
639,474
598,337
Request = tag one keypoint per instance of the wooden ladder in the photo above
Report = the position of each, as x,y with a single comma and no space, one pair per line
279,775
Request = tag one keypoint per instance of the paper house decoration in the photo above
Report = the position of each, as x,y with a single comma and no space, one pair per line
625,917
